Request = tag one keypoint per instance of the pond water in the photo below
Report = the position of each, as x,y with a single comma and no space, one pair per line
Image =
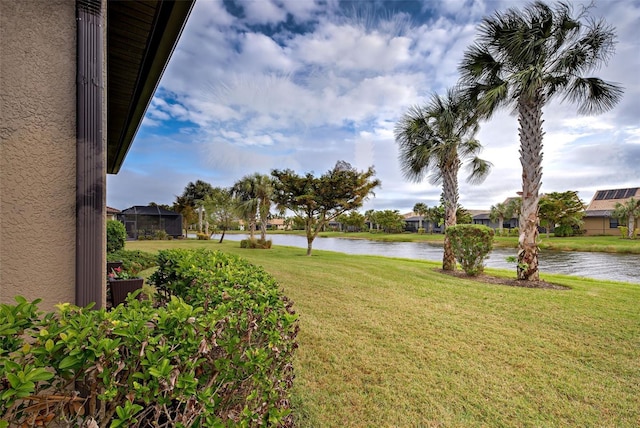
617,267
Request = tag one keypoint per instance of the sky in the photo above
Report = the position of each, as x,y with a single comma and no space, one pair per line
259,85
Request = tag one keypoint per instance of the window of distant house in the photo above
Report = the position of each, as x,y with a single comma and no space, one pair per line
613,223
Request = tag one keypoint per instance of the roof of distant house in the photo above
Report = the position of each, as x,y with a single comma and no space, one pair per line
111,210
605,201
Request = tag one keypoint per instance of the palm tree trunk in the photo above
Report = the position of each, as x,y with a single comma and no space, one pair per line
530,130
252,229
450,190
501,225
631,225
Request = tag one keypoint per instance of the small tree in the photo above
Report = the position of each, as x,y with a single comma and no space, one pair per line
391,221
353,219
318,200
116,236
471,245
563,210
629,211
220,207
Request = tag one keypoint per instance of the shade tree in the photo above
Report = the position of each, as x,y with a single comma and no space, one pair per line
318,200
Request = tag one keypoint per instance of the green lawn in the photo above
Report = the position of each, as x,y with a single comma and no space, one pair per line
391,342
611,244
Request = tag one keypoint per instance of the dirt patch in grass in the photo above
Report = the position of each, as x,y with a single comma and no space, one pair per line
510,282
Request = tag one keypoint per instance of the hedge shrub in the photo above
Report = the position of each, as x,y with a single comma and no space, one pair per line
218,353
471,245
116,235
263,244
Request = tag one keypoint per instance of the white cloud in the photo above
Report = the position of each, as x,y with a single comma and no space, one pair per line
323,83
263,11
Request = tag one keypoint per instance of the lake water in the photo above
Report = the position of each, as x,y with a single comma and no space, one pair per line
618,267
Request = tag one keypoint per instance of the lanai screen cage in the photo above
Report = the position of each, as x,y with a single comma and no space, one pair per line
146,221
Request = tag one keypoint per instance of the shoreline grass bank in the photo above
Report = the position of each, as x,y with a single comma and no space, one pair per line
604,244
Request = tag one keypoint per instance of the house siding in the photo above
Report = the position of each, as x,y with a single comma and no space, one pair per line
38,151
594,226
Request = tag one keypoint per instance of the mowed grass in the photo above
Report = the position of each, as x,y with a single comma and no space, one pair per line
391,342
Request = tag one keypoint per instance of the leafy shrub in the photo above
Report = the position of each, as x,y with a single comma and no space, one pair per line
256,243
160,235
471,244
514,231
624,231
218,356
202,236
116,235
563,231
421,231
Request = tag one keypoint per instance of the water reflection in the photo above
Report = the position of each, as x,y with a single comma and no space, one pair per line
618,267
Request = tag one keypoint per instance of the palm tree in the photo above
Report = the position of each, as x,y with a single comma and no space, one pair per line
244,192
629,210
523,59
499,212
184,207
421,209
254,193
434,141
263,192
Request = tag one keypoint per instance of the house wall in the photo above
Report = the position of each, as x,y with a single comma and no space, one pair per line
600,226
38,151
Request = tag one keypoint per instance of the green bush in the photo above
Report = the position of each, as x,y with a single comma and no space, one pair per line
563,230
624,231
421,231
116,235
202,236
471,244
256,243
160,235
221,355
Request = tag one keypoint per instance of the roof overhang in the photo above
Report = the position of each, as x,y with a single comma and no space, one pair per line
141,36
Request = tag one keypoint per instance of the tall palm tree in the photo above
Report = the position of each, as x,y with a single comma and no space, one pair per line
434,141
244,192
629,210
522,59
421,209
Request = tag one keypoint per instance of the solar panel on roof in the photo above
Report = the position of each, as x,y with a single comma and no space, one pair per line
615,194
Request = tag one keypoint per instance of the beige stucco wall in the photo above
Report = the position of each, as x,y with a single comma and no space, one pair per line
600,226
37,150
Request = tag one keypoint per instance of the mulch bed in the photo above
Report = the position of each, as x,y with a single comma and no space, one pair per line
510,282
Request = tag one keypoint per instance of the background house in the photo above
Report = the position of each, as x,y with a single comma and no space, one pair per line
76,79
112,213
147,220
597,217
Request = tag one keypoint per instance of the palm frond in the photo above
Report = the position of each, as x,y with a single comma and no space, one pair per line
478,169
593,95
